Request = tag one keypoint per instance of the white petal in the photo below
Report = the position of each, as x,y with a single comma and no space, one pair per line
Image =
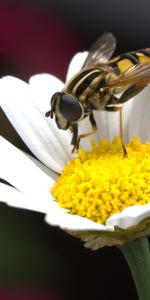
130,216
107,127
135,120
64,137
43,86
76,64
57,217
139,116
30,123
46,170
17,199
17,169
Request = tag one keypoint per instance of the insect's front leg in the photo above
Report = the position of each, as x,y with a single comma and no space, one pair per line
74,129
84,135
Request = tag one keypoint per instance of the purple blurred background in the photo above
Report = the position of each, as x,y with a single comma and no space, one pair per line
36,260
34,41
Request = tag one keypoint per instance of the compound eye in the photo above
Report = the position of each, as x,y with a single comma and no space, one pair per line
70,108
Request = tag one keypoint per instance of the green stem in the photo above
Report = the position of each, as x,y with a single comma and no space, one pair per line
137,255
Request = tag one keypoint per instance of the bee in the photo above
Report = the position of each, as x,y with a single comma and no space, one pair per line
102,84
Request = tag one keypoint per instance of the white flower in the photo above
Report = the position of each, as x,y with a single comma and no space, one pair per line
31,179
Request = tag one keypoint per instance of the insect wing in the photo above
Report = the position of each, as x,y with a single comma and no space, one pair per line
101,51
139,75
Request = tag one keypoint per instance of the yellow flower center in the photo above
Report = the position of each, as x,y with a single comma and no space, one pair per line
102,182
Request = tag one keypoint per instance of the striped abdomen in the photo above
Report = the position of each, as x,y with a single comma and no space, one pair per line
125,61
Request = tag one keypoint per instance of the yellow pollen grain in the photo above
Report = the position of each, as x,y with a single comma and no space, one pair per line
102,182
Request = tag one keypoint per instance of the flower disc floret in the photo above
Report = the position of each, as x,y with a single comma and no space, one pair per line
102,182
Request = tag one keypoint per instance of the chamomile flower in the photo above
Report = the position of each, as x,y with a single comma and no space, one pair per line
101,197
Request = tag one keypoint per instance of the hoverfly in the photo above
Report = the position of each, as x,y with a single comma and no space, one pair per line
101,84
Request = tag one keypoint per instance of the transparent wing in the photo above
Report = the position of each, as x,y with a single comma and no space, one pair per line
139,75
101,51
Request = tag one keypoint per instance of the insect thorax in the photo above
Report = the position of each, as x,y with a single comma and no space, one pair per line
89,87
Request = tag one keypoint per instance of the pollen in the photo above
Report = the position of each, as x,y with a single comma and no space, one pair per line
101,182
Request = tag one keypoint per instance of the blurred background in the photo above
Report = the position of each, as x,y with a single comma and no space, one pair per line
38,261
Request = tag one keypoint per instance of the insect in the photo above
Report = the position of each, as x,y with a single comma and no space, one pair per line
102,84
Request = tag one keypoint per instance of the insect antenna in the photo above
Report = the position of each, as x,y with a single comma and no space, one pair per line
50,113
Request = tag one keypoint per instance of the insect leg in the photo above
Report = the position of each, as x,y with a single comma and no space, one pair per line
94,128
74,129
118,108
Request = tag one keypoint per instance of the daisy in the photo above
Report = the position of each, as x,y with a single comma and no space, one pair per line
32,179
